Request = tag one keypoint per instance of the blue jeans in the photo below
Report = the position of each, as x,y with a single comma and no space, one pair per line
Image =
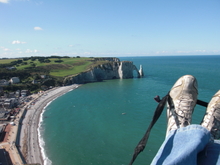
189,145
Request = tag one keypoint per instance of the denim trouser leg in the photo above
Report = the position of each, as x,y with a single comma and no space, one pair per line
182,146
210,154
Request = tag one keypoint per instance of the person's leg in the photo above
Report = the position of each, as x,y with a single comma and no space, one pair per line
181,146
183,142
210,155
211,121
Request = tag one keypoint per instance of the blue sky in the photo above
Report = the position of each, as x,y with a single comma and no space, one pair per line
109,27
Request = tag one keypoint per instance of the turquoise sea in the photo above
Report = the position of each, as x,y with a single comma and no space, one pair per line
101,123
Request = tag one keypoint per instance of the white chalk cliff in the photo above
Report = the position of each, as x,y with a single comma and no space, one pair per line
141,72
113,69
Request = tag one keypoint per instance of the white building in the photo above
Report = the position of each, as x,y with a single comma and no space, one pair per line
14,80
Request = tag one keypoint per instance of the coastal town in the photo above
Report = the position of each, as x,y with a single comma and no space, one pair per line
25,89
13,107
19,120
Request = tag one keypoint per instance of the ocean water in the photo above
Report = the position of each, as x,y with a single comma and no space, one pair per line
101,123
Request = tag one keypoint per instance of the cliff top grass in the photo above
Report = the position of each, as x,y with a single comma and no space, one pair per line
58,67
6,61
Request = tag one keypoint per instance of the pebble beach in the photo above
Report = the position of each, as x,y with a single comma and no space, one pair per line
22,140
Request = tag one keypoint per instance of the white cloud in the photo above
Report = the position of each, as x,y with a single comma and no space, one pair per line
7,1
4,1
38,28
215,51
201,51
87,53
75,45
31,51
6,49
184,52
18,42
193,52
161,52
28,51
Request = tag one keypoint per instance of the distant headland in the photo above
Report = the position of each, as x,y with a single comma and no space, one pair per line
42,73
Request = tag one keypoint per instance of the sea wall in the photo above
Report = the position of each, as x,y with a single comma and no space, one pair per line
113,69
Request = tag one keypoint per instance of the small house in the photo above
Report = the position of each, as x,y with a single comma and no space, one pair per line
14,80
25,93
43,76
34,82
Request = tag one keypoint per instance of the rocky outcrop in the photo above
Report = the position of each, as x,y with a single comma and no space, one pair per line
141,72
126,69
113,69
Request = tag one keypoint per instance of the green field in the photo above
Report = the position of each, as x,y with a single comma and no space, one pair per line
57,70
68,66
6,61
72,69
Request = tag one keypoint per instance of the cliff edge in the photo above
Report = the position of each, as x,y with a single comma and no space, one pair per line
113,68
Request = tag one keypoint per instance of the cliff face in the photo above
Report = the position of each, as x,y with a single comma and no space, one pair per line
126,69
114,69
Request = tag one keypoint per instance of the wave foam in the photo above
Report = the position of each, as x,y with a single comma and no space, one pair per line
46,160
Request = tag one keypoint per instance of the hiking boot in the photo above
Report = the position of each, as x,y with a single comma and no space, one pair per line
211,120
183,100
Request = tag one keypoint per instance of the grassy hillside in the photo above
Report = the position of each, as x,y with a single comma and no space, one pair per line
6,61
66,66
30,71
